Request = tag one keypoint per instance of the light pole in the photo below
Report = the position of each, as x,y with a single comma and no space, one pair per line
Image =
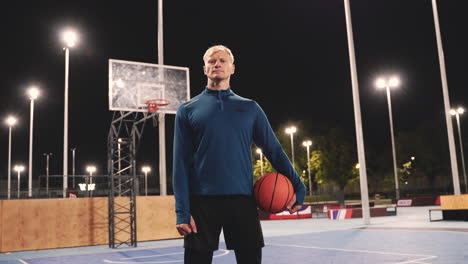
19,169
47,155
11,121
357,115
33,95
259,151
91,170
457,114
307,144
73,166
119,141
146,169
70,38
387,84
446,97
291,130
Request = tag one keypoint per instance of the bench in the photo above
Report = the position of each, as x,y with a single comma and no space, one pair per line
453,207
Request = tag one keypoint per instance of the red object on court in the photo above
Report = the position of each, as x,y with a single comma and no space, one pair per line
273,191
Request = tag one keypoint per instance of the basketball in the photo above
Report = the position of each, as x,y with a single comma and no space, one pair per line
273,191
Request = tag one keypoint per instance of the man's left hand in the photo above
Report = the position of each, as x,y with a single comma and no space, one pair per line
291,207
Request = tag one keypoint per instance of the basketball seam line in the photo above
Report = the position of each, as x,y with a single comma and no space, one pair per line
273,193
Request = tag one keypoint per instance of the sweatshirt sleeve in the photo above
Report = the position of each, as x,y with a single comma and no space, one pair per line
265,139
181,166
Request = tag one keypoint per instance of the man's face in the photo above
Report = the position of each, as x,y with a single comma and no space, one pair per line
219,66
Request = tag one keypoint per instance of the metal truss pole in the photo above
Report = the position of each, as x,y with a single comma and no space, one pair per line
123,182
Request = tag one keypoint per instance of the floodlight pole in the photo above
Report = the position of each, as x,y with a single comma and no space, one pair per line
291,130
448,119
31,128
308,169
146,183
73,166
19,183
390,115
461,151
47,172
9,161
119,157
161,116
65,127
292,148
259,151
357,117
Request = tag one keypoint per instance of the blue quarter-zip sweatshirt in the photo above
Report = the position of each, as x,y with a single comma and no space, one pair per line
213,136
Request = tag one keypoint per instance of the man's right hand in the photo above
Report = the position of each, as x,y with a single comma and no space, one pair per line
185,229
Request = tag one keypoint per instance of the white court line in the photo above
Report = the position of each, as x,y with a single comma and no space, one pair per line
423,229
225,252
83,253
160,255
22,261
416,261
425,257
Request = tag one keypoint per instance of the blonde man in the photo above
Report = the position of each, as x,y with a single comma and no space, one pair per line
213,174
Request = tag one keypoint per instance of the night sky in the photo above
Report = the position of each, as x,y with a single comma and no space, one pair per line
291,57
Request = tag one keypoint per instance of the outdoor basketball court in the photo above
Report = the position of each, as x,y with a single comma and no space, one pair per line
406,238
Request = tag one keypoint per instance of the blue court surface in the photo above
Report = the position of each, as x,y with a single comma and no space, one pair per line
406,238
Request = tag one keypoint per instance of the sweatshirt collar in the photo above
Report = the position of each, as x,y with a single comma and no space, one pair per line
221,93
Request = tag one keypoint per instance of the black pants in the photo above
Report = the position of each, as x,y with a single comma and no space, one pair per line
237,216
243,256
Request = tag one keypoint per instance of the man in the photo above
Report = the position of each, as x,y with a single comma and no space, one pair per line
213,174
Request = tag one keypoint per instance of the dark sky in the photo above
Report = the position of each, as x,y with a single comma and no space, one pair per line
291,57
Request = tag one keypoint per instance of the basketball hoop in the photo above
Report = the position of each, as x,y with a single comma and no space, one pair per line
153,104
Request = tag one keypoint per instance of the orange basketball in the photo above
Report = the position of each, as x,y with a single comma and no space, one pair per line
273,191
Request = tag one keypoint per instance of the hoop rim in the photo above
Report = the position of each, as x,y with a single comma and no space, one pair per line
154,104
158,102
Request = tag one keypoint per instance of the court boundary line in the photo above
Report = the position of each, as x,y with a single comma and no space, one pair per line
159,255
105,251
463,231
224,253
162,261
424,257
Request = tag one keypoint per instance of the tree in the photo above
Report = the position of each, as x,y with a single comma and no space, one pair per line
405,172
428,145
300,154
258,168
267,168
334,160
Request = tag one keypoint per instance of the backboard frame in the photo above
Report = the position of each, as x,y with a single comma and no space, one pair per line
161,95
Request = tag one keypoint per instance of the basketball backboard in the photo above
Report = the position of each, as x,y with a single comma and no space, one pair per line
131,84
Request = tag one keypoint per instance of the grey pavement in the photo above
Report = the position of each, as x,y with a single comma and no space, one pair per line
413,218
407,217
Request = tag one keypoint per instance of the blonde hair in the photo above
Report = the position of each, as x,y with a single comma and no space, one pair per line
217,48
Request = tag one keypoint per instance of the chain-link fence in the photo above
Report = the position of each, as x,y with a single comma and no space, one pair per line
78,186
